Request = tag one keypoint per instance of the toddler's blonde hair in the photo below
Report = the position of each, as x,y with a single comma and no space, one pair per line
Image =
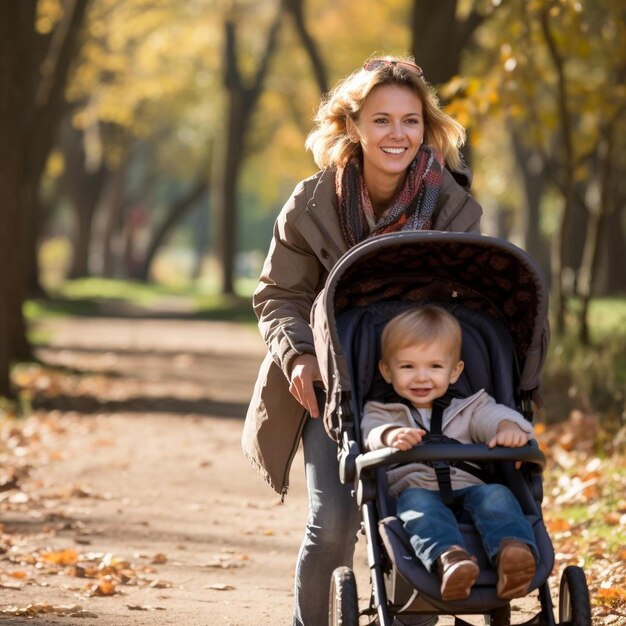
421,325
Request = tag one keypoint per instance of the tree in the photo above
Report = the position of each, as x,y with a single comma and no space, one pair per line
243,95
12,101
554,71
199,189
433,23
147,93
83,182
35,57
597,163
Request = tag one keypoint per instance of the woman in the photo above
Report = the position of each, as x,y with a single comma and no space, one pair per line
381,142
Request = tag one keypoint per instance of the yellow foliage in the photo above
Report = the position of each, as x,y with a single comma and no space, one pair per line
461,110
454,87
49,12
55,165
153,67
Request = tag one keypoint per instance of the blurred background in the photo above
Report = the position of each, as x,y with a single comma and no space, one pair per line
147,146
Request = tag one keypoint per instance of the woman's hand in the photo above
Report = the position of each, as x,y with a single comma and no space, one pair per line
304,372
403,438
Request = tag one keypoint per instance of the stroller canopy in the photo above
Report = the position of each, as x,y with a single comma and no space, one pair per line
470,270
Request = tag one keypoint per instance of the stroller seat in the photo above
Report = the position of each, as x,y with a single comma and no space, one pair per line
490,364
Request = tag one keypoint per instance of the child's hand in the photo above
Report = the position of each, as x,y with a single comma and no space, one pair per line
510,435
403,438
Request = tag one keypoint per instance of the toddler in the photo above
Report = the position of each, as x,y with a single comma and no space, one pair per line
420,358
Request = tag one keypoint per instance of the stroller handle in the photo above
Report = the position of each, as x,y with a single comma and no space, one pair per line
529,453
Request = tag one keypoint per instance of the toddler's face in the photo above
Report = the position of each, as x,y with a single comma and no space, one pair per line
421,373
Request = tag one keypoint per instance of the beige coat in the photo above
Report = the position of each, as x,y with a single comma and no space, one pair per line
468,420
307,242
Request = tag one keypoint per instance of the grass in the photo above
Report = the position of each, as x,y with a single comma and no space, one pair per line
100,296
584,511
591,378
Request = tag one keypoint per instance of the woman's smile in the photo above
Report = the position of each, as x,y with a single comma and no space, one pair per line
394,150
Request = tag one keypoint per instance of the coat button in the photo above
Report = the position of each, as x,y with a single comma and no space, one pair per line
324,253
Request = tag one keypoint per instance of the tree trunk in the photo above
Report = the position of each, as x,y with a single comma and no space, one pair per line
114,213
559,257
49,75
227,203
532,168
434,24
596,230
612,280
34,97
83,185
242,100
16,20
178,210
201,228
595,234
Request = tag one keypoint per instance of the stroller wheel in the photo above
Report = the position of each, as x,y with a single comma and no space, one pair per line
344,601
500,616
574,604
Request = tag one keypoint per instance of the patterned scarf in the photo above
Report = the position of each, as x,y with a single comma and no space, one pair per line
411,210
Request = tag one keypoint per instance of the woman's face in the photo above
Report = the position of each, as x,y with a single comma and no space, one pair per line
390,130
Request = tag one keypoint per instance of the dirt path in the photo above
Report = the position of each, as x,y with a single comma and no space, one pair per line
139,460
146,456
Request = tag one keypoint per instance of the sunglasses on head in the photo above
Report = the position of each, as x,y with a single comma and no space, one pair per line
374,64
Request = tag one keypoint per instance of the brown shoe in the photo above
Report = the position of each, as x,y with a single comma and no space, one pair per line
458,572
516,569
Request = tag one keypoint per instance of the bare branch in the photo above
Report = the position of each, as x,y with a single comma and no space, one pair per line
296,9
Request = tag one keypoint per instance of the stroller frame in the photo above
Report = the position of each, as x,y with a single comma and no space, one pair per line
458,271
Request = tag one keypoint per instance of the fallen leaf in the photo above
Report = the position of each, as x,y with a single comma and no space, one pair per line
558,525
611,594
42,608
103,588
612,518
60,557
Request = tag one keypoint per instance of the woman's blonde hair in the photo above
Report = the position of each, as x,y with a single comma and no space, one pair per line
329,141
421,325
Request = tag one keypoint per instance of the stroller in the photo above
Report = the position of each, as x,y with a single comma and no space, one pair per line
498,295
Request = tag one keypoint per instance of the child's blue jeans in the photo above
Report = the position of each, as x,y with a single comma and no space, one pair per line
433,527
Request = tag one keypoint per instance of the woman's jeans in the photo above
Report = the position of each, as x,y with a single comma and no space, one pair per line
433,527
330,535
